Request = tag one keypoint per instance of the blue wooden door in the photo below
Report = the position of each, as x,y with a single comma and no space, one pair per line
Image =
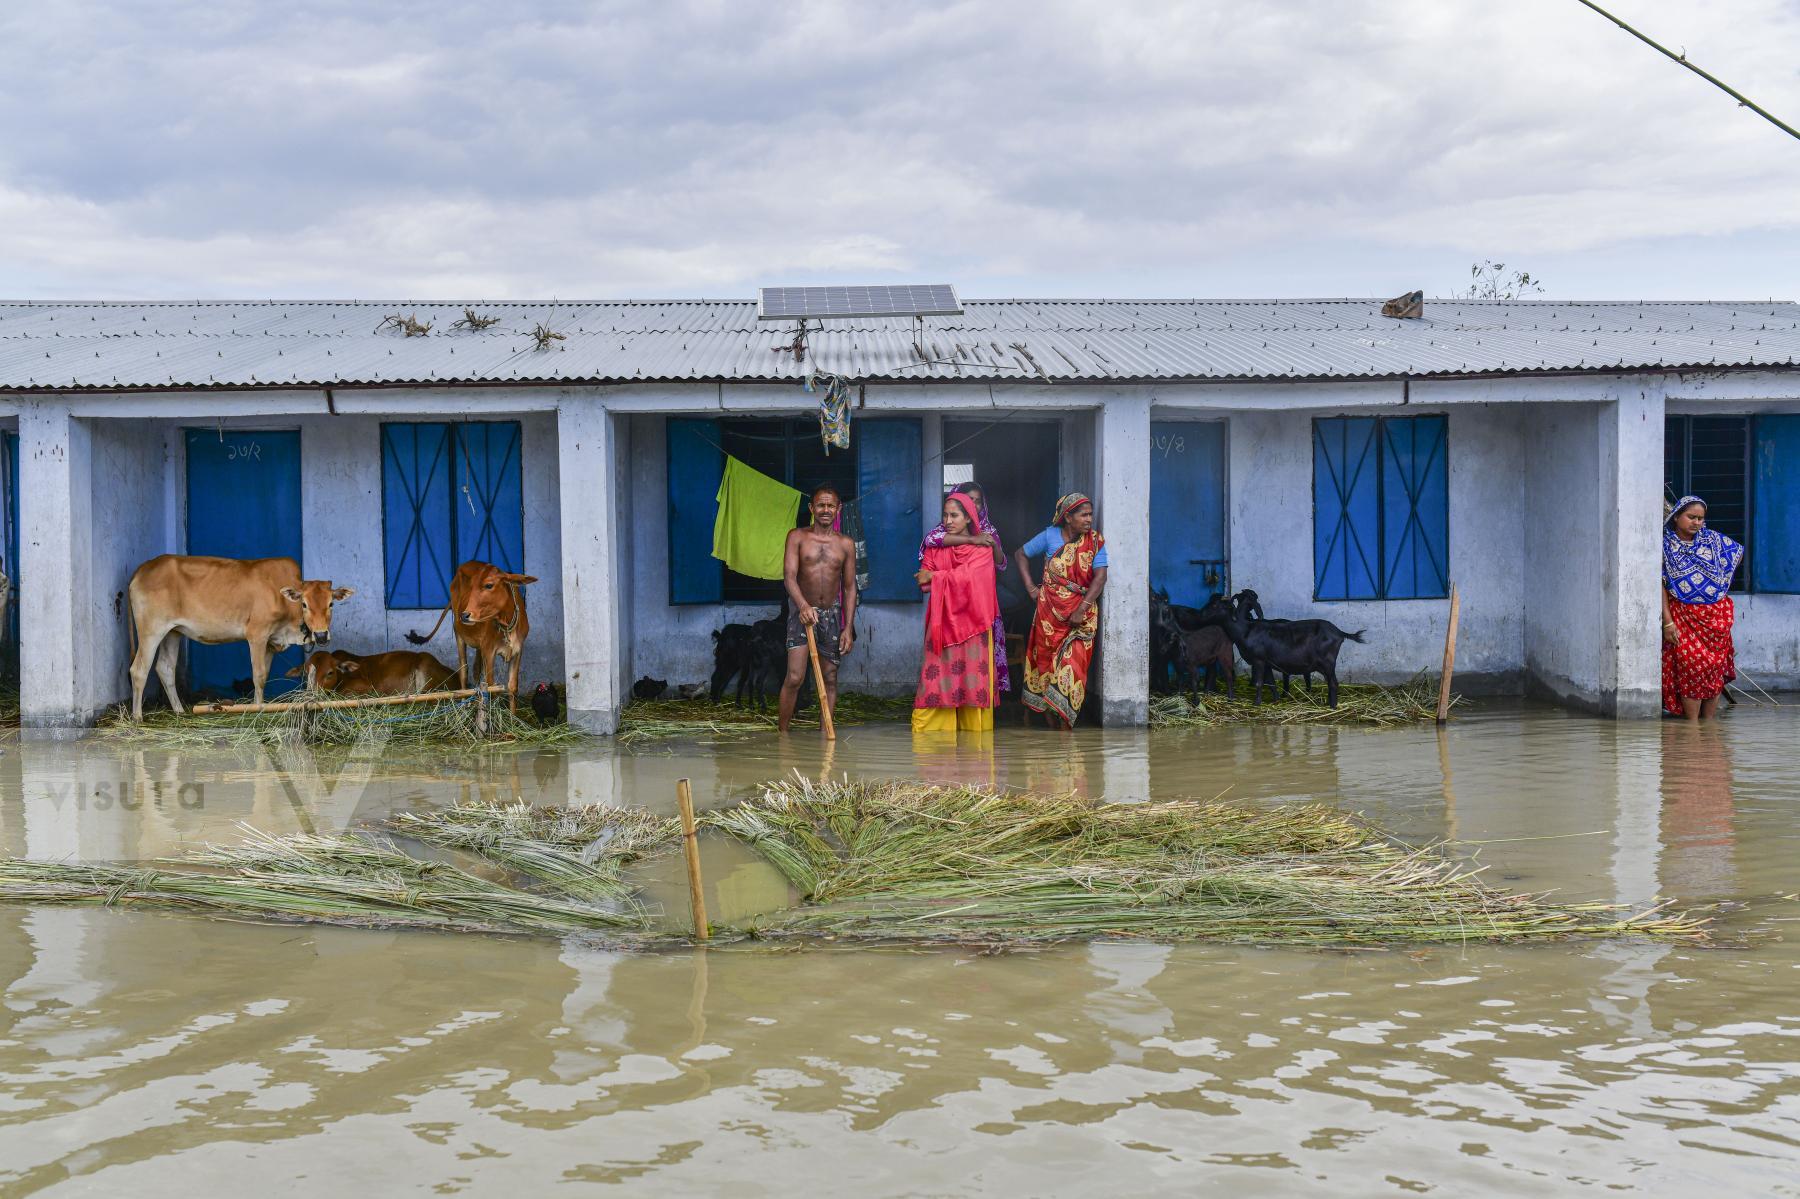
243,501
1187,510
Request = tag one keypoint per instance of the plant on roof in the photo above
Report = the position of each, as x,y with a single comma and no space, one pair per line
474,322
543,334
1488,280
409,324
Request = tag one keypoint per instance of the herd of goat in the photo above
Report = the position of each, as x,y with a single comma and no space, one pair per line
1191,649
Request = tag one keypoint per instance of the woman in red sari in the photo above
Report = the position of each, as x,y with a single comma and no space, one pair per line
957,680
1061,646
1698,658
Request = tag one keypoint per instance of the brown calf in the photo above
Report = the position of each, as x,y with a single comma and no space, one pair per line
490,619
262,601
398,672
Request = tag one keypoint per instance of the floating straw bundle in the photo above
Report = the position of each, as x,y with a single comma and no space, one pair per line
578,851
908,862
348,880
899,862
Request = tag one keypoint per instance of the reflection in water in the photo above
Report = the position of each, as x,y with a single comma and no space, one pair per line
139,1052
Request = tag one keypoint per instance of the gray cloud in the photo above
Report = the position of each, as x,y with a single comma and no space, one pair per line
335,149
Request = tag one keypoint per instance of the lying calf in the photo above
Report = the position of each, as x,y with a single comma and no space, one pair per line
398,672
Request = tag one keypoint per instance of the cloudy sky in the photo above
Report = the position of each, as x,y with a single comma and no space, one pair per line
1012,147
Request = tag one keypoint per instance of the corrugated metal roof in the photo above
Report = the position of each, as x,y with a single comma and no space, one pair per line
111,346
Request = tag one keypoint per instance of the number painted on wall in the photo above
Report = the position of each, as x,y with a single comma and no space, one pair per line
243,450
1169,443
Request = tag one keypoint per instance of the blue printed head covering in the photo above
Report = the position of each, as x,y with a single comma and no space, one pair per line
1698,571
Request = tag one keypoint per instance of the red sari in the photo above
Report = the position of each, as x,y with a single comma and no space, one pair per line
1059,653
1704,661
958,684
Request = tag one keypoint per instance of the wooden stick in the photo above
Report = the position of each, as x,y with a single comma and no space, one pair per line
690,844
825,723
1443,712
368,701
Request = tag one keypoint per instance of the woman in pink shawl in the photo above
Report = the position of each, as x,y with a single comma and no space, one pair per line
958,685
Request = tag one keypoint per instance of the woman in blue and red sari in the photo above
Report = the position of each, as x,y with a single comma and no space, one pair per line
1697,658
958,685
974,536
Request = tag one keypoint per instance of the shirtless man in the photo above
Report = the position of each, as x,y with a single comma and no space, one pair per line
819,566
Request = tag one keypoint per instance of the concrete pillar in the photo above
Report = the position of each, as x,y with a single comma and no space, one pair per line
593,648
1631,498
1123,512
55,560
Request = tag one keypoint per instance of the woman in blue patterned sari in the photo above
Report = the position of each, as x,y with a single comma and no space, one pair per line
1698,658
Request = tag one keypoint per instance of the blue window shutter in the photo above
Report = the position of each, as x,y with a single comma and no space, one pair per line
890,462
1415,507
488,496
415,514
1775,518
695,467
1346,508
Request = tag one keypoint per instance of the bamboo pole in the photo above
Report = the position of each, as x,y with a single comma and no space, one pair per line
367,701
690,845
1443,711
825,722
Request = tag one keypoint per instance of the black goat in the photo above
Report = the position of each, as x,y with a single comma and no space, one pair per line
754,654
1249,605
1200,657
1293,646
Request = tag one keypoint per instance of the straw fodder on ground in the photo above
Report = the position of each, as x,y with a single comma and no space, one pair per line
656,719
352,879
909,862
1412,702
441,722
578,851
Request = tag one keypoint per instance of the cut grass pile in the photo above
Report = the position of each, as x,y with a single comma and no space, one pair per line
578,851
1412,702
353,879
900,861
447,722
894,862
657,719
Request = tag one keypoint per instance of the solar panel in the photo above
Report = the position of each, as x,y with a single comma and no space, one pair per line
797,303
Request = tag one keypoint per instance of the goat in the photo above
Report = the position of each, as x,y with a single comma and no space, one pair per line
1291,646
1250,604
1199,656
754,654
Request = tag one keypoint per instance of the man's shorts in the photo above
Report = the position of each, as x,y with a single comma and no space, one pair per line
826,632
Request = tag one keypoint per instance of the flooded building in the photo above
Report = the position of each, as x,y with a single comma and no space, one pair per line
1342,463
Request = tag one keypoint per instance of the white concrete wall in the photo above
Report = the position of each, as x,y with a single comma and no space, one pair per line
55,551
1122,513
1565,628
1271,544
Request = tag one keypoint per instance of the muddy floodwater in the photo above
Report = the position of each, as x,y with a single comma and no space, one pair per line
158,1055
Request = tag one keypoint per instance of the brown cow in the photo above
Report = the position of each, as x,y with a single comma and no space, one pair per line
262,601
490,619
398,672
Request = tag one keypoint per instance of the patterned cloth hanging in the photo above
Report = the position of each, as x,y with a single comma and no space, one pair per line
834,408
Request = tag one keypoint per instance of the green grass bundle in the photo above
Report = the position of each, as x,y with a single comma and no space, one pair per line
1412,702
425,725
346,880
579,851
911,862
657,719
